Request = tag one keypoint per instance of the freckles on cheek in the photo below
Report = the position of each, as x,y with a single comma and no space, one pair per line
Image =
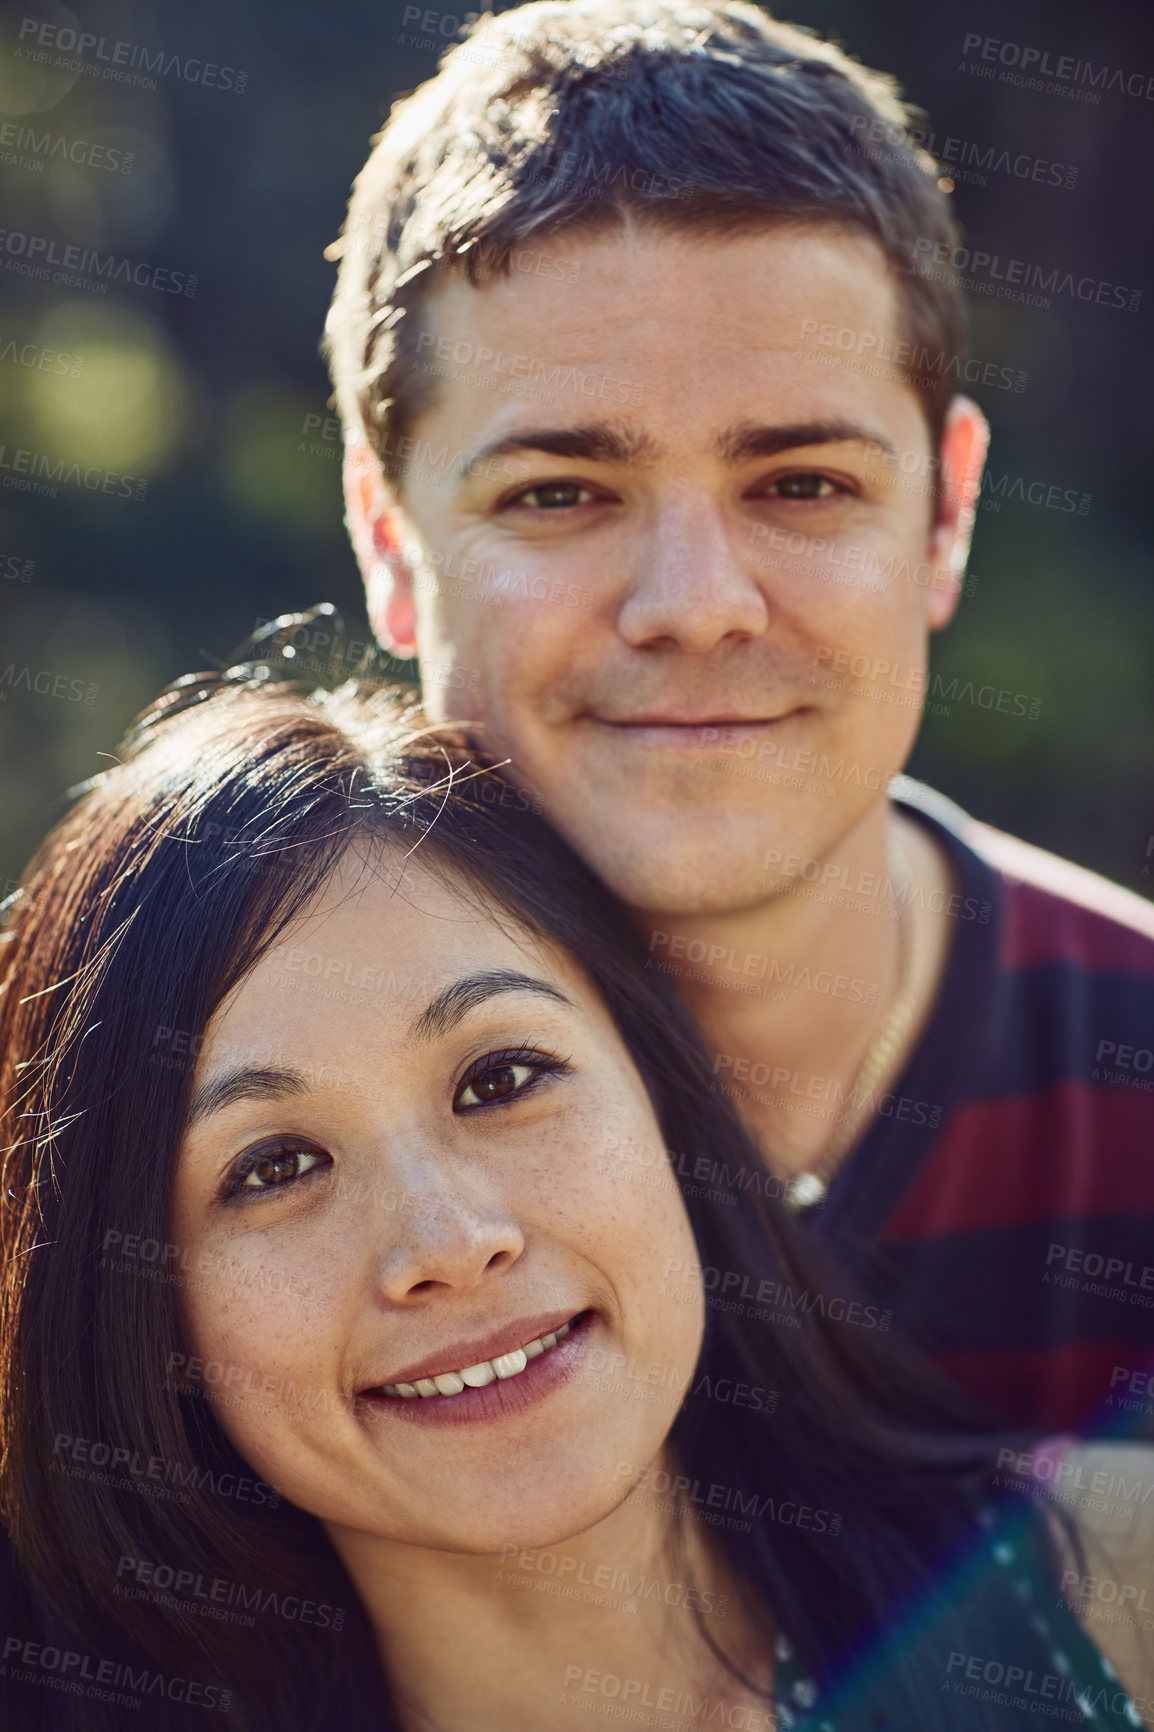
256,1315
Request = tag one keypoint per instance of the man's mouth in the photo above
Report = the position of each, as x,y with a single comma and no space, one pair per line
687,718
503,1367
719,731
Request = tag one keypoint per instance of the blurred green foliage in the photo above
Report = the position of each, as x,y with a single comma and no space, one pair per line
214,395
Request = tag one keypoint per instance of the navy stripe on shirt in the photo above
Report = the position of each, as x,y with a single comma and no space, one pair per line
1007,1135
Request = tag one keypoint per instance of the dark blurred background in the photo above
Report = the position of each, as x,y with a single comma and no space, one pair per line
229,162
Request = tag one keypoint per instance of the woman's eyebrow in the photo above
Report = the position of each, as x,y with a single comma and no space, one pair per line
243,1083
455,1001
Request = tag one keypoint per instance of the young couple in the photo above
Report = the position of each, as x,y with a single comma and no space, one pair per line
467,1269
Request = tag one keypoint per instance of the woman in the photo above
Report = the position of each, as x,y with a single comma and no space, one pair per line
365,1362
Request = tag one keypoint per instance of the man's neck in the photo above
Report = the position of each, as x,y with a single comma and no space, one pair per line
791,996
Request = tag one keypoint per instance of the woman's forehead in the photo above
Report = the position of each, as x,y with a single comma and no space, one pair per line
381,939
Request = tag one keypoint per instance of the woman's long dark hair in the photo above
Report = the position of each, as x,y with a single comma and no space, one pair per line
170,877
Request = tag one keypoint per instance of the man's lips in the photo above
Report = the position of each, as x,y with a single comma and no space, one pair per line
477,1348
678,718
693,732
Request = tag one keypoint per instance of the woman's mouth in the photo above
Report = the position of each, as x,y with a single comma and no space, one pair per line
502,1385
505,1366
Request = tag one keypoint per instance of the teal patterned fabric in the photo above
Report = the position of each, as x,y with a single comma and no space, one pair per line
1054,1677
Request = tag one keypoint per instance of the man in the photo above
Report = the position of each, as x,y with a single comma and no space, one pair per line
647,350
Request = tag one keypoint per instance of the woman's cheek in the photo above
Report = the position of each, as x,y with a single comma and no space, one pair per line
256,1313
637,1227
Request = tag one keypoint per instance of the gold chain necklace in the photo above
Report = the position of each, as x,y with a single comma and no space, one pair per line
811,1186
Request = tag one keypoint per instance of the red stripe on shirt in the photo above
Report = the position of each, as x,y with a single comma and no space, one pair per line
1058,1387
1004,1163
1038,929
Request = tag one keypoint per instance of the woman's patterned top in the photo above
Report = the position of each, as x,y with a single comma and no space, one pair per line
1054,1675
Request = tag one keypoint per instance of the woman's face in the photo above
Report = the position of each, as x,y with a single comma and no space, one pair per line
405,1162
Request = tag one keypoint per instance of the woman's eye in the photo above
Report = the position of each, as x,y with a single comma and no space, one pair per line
805,486
274,1167
553,495
501,1078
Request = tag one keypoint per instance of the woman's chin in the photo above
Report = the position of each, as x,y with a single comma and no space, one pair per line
519,1513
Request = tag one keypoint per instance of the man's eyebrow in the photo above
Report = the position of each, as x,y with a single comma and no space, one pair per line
599,442
754,439
243,1083
455,1001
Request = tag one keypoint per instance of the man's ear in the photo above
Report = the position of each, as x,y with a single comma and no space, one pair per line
963,455
374,527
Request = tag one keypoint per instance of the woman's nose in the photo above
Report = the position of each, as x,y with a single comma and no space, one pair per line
448,1232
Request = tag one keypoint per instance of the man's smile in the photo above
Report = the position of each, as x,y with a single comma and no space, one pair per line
683,731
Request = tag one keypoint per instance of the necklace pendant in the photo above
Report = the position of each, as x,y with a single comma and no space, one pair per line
803,1191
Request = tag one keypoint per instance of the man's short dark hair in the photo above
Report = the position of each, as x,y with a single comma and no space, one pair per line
563,115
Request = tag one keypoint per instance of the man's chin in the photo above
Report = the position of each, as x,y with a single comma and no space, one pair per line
700,862
671,883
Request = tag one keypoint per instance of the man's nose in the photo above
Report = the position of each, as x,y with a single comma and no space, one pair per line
448,1231
690,580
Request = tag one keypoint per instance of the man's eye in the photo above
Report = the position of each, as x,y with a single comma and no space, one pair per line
805,486
502,1076
272,1167
553,495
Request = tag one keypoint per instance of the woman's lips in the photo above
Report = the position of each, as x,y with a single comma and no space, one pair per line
508,1392
471,1350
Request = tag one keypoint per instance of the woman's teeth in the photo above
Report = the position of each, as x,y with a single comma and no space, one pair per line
506,1365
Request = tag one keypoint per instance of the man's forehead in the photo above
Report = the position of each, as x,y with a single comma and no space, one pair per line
572,272
659,346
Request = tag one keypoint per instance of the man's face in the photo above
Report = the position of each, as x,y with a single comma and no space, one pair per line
675,555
